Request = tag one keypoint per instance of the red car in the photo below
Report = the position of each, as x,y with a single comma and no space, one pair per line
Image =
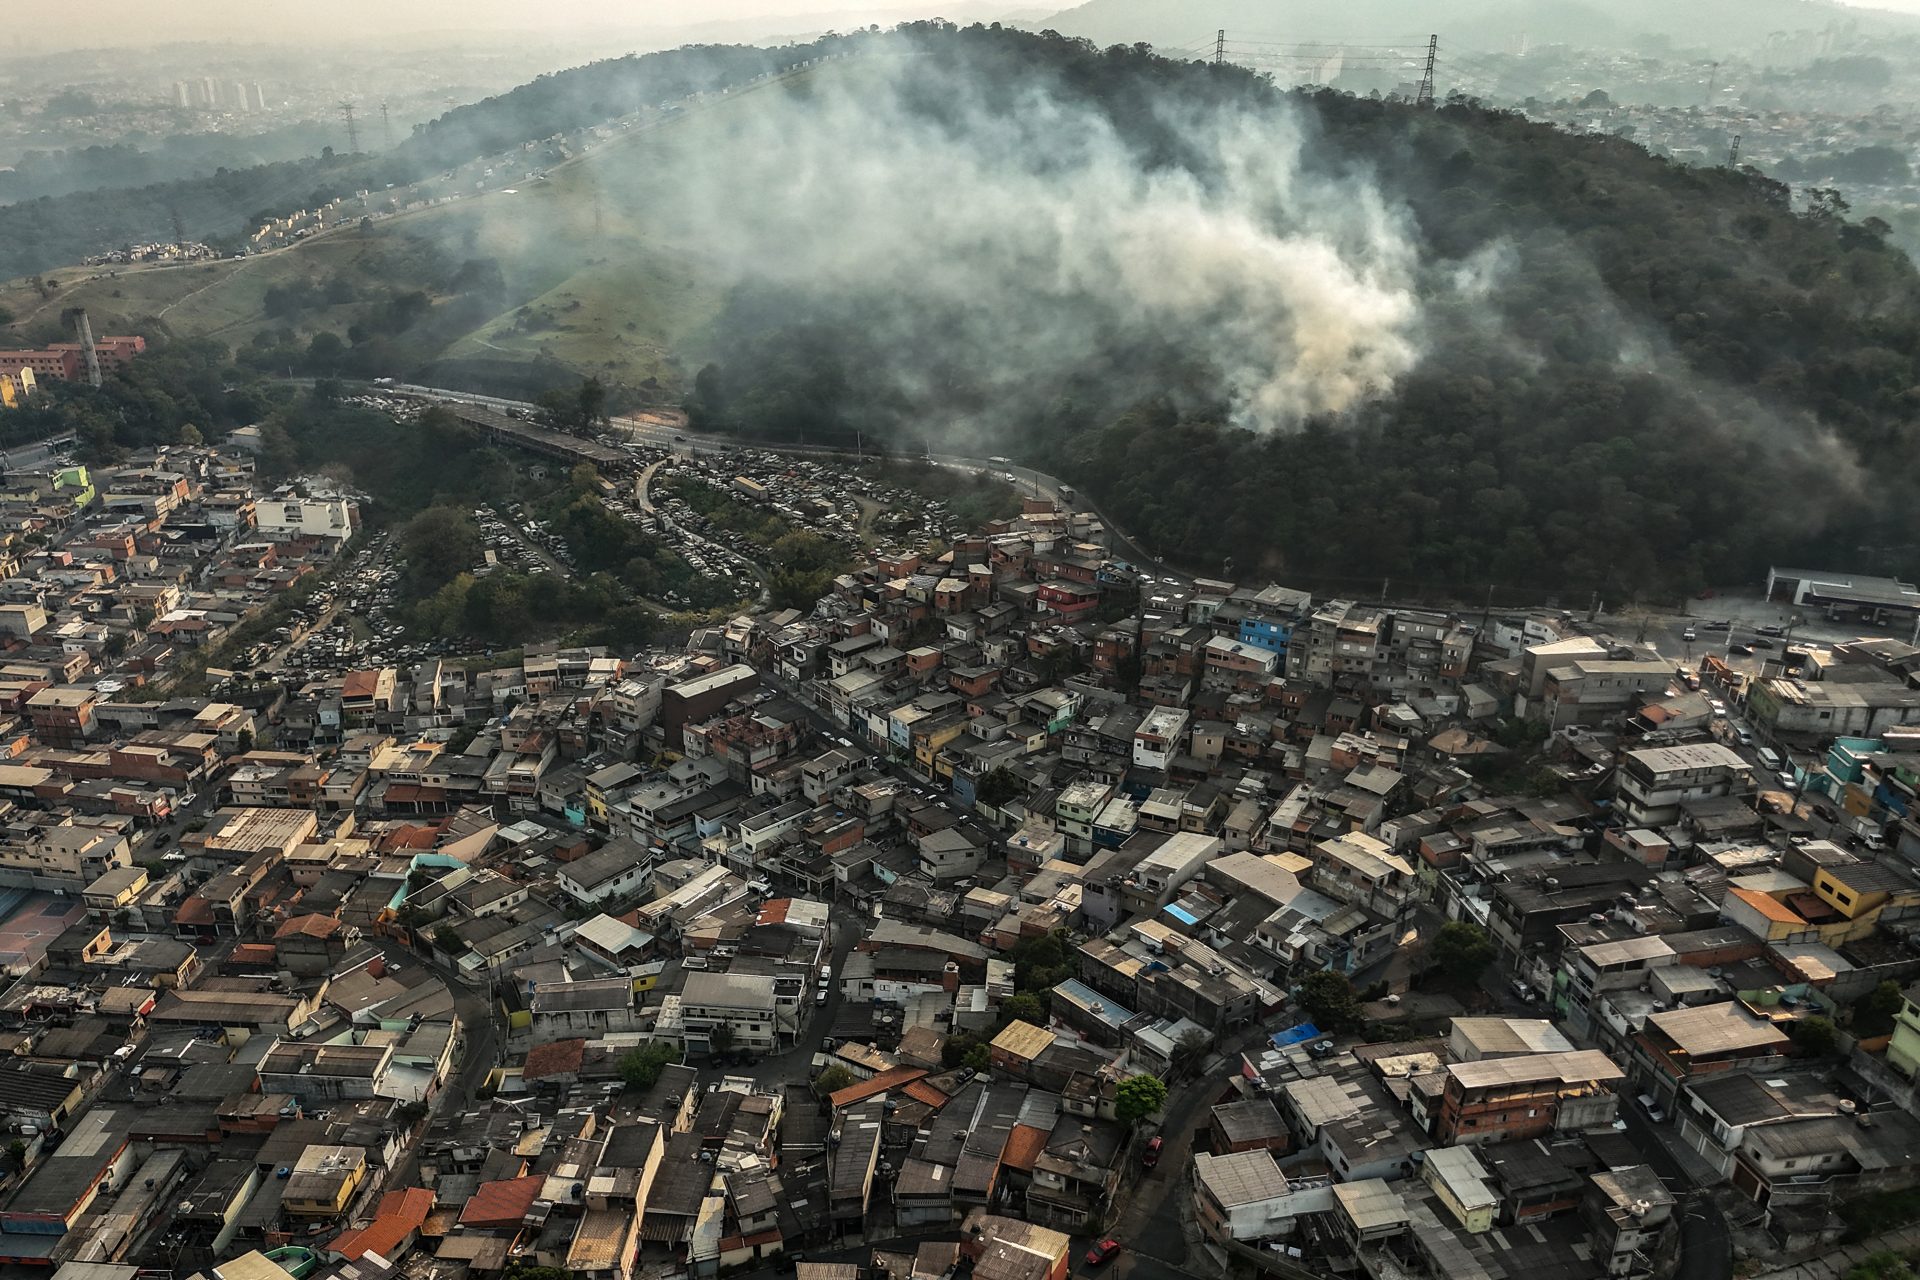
1105,1251
1150,1154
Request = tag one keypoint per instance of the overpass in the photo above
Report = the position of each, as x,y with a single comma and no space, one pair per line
498,428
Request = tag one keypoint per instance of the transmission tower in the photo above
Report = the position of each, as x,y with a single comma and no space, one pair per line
353,132
386,126
1220,46
1424,98
1713,78
1733,152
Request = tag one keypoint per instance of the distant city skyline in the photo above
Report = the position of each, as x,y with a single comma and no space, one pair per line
123,23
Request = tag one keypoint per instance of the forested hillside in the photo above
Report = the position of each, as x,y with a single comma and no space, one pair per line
1630,377
1713,25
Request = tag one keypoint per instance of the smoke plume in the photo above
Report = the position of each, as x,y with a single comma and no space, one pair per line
1017,232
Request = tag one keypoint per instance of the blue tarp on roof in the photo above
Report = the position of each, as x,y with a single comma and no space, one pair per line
1296,1035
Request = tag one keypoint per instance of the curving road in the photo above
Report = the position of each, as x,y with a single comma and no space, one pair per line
666,437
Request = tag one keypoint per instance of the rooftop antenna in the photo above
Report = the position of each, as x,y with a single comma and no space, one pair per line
353,133
1424,98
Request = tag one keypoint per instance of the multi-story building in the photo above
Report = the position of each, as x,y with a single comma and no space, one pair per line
1656,781
744,1005
1527,1096
286,517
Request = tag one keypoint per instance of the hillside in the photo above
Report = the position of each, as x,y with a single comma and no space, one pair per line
582,285
1330,338
42,234
1716,26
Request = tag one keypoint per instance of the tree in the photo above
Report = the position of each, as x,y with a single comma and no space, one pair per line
1138,1097
1328,999
244,742
447,940
978,1057
1190,1049
439,544
1873,1013
592,403
584,478
1462,951
832,1080
720,1039
998,786
1817,1037
640,1068
190,436
1024,1006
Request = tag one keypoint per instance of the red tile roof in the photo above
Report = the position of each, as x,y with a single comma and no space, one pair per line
558,1058
1024,1145
311,925
401,1213
501,1204
921,1091
892,1078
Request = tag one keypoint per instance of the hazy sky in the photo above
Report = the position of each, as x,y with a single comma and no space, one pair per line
141,21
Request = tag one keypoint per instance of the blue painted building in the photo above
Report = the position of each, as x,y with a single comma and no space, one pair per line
1271,634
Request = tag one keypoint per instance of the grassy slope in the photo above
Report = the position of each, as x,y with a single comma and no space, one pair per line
608,297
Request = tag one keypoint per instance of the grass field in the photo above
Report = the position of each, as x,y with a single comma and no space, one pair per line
591,282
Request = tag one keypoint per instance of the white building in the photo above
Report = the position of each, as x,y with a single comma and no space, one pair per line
290,517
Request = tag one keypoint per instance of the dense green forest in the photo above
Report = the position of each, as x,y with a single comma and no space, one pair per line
1664,377
54,231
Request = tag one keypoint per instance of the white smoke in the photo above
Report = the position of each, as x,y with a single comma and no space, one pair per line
1045,240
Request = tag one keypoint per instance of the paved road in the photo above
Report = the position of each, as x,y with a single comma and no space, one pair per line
666,437
1706,1249
477,1051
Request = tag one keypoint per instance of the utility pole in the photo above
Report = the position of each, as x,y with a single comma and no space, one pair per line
1424,98
386,126
353,133
1220,46
1733,152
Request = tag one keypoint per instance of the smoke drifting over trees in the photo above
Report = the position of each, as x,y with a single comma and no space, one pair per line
1467,348
1013,229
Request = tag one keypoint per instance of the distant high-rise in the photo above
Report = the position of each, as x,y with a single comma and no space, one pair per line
238,98
256,97
209,92
182,96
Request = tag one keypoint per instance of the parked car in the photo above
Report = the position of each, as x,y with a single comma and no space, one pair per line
1771,629
1652,1108
1150,1154
1104,1252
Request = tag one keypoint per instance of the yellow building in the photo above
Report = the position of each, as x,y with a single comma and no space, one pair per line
1859,892
324,1181
1459,1180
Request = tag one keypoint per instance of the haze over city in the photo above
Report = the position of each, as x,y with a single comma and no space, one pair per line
877,640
